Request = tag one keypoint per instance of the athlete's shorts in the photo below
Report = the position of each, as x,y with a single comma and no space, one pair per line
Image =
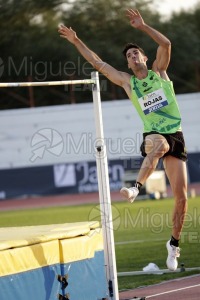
176,144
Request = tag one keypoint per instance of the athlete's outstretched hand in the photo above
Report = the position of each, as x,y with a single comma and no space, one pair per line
135,18
67,33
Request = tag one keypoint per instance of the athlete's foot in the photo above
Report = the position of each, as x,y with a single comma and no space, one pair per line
129,194
173,253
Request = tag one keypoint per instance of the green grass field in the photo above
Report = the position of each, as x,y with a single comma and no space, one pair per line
141,231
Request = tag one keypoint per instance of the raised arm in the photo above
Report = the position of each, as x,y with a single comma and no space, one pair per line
164,49
119,78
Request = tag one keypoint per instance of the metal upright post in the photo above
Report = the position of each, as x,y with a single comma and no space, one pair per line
104,194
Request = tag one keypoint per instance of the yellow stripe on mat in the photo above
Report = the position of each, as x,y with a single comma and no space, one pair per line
27,258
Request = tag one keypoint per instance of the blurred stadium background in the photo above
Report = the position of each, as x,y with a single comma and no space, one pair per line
51,150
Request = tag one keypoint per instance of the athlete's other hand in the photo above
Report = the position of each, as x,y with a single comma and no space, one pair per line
67,33
135,18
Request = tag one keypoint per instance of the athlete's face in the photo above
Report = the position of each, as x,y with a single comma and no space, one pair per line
135,58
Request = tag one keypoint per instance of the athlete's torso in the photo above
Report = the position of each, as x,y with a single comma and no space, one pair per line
155,102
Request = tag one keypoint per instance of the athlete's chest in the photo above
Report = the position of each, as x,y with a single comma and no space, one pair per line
147,85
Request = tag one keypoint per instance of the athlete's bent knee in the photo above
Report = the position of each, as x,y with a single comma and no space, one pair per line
156,147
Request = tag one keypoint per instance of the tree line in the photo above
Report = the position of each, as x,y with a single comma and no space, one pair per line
31,49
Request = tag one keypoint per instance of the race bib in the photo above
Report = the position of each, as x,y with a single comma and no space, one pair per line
153,101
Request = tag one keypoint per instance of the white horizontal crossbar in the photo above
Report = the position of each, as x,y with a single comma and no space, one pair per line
46,83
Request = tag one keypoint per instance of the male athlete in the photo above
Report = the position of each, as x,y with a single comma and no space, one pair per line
152,94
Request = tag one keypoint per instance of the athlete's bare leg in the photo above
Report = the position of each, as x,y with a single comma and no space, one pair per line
177,174
156,146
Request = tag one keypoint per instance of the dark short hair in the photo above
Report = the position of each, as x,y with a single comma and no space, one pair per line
130,46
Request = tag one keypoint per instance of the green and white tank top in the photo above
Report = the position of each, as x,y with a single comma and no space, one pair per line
155,102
